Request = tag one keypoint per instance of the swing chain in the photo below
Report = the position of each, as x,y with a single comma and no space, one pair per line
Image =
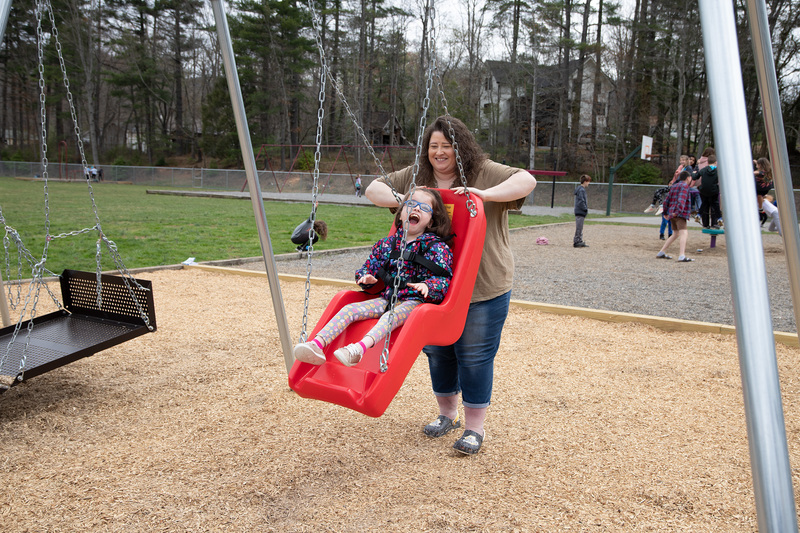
401,263
317,24
471,207
314,192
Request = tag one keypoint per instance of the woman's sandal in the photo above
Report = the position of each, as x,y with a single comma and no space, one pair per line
665,256
441,426
470,442
685,260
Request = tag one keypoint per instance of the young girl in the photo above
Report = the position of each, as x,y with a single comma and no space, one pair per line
763,176
425,280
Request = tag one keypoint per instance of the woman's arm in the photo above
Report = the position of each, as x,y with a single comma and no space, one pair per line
380,194
517,186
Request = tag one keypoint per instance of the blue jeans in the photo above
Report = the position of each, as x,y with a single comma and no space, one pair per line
664,225
468,365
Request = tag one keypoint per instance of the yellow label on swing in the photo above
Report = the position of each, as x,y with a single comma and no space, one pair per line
449,208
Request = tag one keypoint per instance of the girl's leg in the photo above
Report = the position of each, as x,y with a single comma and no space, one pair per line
382,328
311,351
347,315
351,354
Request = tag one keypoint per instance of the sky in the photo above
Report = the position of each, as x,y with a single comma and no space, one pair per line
450,15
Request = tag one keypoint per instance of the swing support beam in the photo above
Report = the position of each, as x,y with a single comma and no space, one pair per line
232,76
766,431
5,318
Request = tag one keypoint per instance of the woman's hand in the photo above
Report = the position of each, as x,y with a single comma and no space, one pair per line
422,288
367,279
517,186
463,190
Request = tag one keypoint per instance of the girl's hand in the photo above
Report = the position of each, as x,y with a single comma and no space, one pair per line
367,279
421,287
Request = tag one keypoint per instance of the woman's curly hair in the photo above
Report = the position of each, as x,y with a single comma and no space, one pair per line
472,155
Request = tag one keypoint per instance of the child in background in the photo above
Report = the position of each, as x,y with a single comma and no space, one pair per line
763,176
771,210
301,232
581,210
427,280
676,210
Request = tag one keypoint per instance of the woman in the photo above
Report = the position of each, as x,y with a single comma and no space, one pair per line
467,367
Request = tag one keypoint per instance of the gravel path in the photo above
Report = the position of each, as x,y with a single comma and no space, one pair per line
617,272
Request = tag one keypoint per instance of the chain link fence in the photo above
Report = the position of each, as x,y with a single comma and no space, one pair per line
625,198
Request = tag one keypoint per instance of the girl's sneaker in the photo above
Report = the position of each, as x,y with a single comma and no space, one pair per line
350,355
309,352
650,209
660,210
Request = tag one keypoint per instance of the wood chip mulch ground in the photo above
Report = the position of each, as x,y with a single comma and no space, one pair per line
594,426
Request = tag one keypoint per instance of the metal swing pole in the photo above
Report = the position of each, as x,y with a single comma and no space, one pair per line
5,9
766,432
5,318
776,140
237,101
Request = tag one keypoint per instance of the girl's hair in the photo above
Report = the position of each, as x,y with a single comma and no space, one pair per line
766,167
469,150
440,220
692,158
708,151
321,229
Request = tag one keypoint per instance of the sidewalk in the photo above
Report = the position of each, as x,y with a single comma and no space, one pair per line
345,199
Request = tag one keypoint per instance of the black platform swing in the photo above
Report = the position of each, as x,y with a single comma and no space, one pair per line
96,311
369,386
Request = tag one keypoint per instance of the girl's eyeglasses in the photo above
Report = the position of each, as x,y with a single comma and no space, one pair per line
425,208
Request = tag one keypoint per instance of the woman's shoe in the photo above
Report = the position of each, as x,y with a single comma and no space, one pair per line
470,442
441,426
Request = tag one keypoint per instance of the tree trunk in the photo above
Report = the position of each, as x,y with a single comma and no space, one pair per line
598,71
577,98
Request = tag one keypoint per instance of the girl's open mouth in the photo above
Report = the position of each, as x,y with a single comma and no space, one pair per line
413,218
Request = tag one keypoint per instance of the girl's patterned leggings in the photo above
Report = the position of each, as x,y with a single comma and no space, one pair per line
369,309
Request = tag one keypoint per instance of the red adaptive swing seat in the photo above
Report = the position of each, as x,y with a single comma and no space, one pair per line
363,387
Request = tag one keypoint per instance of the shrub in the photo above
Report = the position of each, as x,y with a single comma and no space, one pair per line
639,171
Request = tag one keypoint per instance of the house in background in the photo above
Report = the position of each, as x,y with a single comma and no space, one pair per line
505,102
605,96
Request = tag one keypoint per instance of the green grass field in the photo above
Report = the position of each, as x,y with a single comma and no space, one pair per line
153,230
